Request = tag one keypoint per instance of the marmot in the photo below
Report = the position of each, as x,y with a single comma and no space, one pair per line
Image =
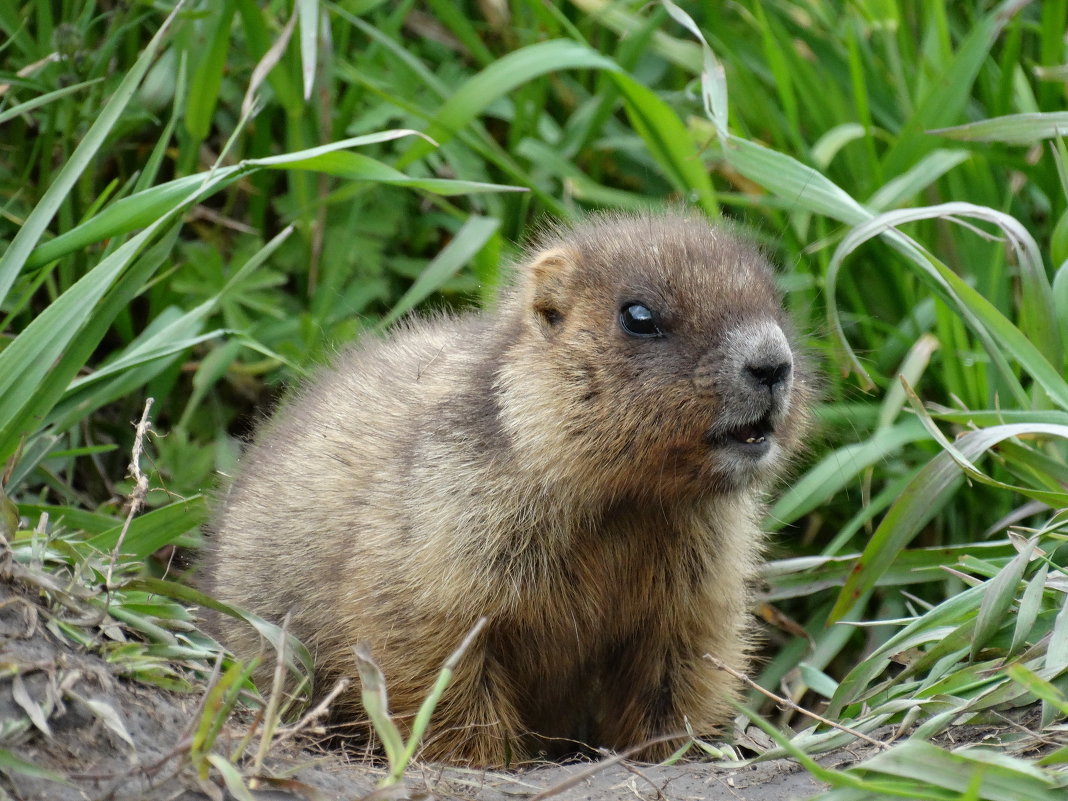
583,466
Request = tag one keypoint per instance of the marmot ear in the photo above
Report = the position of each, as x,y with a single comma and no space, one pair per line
546,280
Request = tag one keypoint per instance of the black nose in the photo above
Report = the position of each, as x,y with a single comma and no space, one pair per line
769,374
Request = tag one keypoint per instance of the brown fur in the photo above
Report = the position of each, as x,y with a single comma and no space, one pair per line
583,489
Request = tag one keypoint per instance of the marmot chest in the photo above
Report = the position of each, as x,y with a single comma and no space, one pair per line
612,577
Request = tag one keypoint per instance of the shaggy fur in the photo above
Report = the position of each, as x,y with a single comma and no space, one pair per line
591,493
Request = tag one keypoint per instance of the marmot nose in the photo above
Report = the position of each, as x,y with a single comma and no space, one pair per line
769,374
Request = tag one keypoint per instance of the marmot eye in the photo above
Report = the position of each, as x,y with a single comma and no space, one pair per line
638,321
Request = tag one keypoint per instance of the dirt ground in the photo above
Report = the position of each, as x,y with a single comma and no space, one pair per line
65,711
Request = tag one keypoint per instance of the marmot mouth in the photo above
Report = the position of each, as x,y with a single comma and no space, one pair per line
752,433
752,438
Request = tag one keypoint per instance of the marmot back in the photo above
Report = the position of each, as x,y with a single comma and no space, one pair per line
582,466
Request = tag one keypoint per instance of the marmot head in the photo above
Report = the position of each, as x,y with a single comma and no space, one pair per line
651,357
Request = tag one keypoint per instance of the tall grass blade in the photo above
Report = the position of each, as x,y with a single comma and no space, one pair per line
308,15
801,186
998,595
470,239
43,100
1037,347
26,361
208,65
944,100
836,470
713,76
497,80
922,498
1056,661
1003,778
30,232
1012,129
135,211
668,141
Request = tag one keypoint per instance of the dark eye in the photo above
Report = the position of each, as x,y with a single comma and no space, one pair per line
638,321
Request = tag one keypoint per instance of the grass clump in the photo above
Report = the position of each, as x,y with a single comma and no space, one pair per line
197,203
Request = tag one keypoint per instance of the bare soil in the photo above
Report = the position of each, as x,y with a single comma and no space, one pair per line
66,711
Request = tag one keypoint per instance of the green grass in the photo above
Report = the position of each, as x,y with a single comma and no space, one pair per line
198,210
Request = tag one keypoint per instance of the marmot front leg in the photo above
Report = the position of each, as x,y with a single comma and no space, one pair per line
476,721
657,694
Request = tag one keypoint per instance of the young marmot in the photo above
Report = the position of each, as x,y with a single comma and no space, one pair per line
582,466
